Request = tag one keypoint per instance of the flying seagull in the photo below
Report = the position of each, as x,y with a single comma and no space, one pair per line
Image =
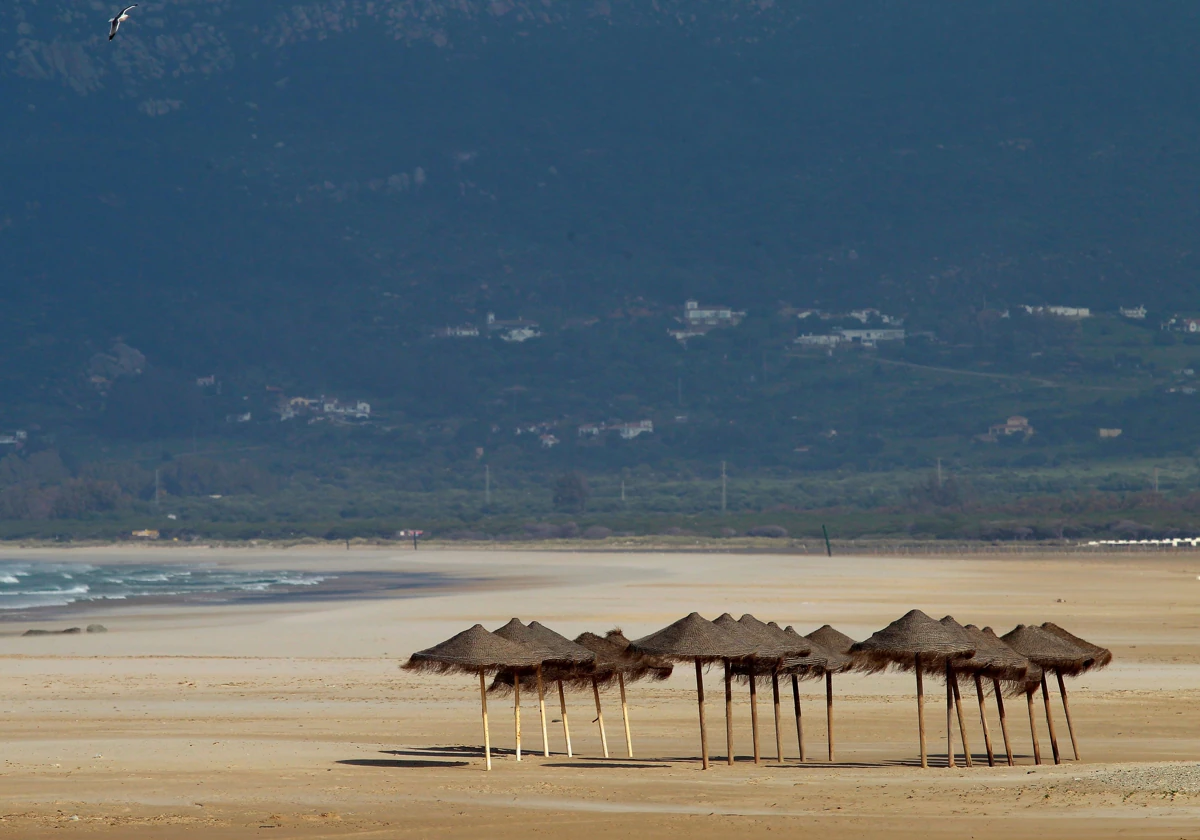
115,23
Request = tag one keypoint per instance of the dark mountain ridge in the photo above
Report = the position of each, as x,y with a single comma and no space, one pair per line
307,188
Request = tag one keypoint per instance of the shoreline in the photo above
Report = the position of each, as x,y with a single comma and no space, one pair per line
618,545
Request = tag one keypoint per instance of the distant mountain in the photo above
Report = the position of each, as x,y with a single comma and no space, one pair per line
302,187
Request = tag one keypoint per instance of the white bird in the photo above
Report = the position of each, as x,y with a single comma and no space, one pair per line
115,23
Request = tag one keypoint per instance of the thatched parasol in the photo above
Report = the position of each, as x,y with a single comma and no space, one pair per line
474,651
1051,653
917,642
1101,657
775,642
996,660
614,660
556,653
694,639
768,653
837,659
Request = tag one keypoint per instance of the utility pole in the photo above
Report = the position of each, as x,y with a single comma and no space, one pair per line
487,485
939,472
722,488
622,491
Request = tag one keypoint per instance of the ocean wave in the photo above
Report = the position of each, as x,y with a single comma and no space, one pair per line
25,585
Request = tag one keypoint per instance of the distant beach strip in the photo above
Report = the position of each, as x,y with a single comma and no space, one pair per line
33,587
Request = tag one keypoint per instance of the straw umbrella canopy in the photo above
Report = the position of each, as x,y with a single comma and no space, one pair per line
913,642
997,661
1101,657
474,651
555,651
1051,653
832,639
697,640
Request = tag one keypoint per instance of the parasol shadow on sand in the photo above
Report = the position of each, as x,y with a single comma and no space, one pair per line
694,639
1100,658
473,651
918,643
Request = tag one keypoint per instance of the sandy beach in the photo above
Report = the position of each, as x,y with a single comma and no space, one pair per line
291,718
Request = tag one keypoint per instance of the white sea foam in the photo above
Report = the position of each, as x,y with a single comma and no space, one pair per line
28,584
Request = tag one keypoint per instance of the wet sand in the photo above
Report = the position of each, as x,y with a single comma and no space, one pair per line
291,718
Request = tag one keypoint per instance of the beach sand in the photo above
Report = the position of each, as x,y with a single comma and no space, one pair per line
291,718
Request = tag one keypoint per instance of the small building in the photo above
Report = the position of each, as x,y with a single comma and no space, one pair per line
870,337
629,431
1060,311
206,381
549,441
1015,425
819,340
1106,434
461,331
16,439
517,330
696,315
145,534
519,334
1135,313
1191,325
244,417
591,429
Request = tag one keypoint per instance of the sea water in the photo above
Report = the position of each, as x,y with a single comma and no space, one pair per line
24,585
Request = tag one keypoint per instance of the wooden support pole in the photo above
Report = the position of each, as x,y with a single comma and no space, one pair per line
625,715
1037,748
754,714
921,710
778,723
562,704
487,738
1050,720
728,715
949,715
700,700
987,733
962,722
600,716
799,719
1003,722
542,712
1062,691
829,711
517,710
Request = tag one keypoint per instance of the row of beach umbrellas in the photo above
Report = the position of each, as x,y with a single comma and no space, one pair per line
533,658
